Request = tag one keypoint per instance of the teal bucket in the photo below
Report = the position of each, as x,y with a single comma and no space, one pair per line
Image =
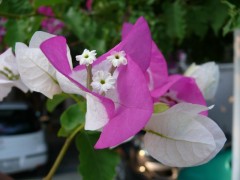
218,168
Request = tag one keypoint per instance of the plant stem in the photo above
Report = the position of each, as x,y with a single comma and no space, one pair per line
112,70
74,98
62,153
89,76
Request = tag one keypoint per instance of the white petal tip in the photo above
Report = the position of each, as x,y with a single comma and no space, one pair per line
211,107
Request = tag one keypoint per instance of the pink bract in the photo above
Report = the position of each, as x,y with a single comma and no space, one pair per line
134,104
185,89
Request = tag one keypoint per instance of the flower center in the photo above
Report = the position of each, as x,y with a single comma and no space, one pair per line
102,81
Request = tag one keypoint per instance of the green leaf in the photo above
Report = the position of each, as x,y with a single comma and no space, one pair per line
62,132
175,19
86,29
72,118
197,21
16,31
232,24
17,7
38,3
80,24
228,27
219,14
21,30
234,18
34,24
95,164
228,4
55,101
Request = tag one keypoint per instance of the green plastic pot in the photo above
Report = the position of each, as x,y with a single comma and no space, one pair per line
218,168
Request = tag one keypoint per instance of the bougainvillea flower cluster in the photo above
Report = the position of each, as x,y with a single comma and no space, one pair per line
122,88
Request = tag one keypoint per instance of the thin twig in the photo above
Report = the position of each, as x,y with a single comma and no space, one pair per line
89,76
62,153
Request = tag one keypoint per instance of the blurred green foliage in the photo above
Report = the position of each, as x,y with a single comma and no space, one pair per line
95,164
71,119
197,27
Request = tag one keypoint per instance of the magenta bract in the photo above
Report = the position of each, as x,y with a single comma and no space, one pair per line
134,103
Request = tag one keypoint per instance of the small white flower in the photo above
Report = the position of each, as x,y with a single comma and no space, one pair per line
103,81
87,57
117,58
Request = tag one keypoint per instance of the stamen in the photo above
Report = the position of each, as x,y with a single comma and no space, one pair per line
9,74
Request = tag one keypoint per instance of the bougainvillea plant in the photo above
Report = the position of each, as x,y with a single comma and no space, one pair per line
118,94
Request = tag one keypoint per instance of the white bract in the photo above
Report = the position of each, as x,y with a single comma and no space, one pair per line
207,77
117,58
102,81
36,71
9,75
8,68
181,137
96,115
87,57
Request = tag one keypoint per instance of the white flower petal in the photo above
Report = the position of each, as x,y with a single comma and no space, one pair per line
96,115
87,57
67,86
38,37
218,135
103,81
207,77
102,66
182,138
20,85
6,87
7,60
35,70
191,69
117,58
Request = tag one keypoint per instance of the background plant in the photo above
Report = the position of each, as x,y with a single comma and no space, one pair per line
192,26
